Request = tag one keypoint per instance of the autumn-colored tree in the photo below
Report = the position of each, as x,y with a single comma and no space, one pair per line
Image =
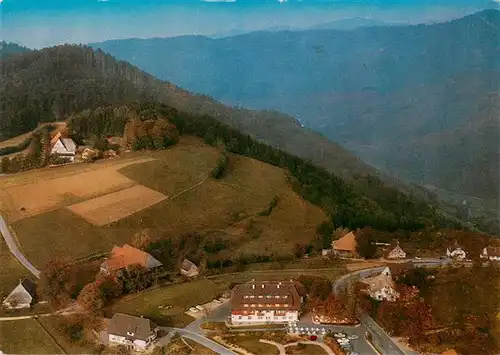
131,132
317,287
110,286
91,299
141,240
57,282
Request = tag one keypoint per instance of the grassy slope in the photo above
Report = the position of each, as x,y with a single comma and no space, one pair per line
10,271
248,188
26,337
180,296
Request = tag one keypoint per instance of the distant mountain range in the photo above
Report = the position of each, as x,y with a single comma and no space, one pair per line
419,101
343,24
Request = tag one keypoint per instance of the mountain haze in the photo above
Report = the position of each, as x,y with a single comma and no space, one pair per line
399,97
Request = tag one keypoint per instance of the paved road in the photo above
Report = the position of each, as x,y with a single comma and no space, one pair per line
199,339
383,340
11,244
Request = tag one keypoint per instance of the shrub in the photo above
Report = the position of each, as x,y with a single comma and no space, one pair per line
221,166
267,211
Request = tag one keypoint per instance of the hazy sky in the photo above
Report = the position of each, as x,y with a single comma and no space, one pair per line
39,23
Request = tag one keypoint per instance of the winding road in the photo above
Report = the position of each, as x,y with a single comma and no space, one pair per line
11,244
383,341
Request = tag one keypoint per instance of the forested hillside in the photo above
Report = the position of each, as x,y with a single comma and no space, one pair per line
48,85
386,93
56,83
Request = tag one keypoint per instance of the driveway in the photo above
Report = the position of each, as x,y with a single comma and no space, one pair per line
208,343
11,244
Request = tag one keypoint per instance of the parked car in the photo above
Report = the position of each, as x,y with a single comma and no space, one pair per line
201,308
313,337
217,301
353,337
418,258
339,335
192,309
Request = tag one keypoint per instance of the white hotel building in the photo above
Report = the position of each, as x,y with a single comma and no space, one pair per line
265,302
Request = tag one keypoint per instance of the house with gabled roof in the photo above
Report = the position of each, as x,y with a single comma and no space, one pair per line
22,296
396,253
189,269
122,257
345,246
456,252
381,287
63,147
137,333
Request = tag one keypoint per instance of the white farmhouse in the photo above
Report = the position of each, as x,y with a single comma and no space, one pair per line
22,296
265,302
456,253
63,147
136,333
381,287
491,253
396,253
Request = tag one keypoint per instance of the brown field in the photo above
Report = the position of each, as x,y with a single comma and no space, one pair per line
109,208
195,203
46,194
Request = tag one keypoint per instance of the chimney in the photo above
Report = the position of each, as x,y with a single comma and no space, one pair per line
253,286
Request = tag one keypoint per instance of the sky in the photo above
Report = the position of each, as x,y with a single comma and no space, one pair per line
42,23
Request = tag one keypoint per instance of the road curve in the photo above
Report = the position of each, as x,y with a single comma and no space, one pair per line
383,340
11,244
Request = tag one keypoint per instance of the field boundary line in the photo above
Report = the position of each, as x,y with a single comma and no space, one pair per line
54,340
188,189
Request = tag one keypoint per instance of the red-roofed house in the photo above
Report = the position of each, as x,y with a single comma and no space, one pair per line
122,257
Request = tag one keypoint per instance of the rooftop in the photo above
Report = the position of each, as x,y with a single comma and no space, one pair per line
265,295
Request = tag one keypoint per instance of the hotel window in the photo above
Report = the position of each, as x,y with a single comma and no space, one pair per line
253,305
261,305
252,296
260,317
285,296
277,304
245,296
260,296
245,305
277,296
239,317
285,305
269,296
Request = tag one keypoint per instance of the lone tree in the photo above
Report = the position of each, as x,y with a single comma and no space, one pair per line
364,244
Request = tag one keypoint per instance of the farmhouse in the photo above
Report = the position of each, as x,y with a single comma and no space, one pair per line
189,269
122,257
396,253
63,147
381,287
491,253
345,246
22,296
136,333
456,253
265,302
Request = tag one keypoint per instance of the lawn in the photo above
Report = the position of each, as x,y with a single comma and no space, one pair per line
183,346
276,275
10,272
179,296
51,324
26,336
252,344
305,349
194,203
